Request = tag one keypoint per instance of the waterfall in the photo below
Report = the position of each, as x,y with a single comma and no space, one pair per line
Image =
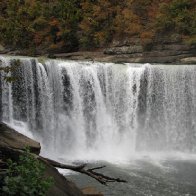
91,110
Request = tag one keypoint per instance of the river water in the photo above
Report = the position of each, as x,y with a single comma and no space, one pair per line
145,177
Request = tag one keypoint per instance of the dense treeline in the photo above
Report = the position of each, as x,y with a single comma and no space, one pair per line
69,25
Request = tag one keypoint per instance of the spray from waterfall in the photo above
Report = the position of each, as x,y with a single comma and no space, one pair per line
104,111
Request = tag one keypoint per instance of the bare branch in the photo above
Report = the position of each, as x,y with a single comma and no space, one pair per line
96,168
103,179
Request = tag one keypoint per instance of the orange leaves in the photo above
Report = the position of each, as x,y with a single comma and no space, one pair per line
86,24
146,38
126,22
97,23
38,39
100,37
47,31
54,22
147,35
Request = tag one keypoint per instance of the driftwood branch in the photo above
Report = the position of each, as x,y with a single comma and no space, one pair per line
103,179
96,168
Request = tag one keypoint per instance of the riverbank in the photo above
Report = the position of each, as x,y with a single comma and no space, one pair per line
148,57
134,51
123,54
12,144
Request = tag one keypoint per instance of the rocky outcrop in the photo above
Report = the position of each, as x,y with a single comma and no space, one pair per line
132,50
61,187
135,49
11,144
9,138
161,50
135,52
189,60
153,53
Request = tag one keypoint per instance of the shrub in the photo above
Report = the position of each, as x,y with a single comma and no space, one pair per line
26,177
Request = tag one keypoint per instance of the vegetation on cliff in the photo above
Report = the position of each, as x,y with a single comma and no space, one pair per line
58,25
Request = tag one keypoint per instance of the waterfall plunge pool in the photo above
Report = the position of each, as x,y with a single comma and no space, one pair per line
146,178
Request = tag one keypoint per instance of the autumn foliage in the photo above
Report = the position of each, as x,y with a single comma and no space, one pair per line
59,25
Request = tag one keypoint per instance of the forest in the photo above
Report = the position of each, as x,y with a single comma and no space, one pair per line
72,25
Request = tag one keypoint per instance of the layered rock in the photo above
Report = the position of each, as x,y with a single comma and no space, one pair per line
156,52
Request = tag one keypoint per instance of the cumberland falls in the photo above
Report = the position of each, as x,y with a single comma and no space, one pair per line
138,119
102,111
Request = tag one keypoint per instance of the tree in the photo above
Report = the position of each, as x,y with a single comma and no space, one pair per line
126,22
15,24
177,17
65,26
96,26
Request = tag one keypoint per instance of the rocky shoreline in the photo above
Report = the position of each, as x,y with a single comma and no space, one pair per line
135,52
148,57
127,51
12,143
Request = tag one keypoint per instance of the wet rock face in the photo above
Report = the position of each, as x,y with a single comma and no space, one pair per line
9,138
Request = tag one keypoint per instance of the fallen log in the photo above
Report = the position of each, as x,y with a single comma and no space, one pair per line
103,179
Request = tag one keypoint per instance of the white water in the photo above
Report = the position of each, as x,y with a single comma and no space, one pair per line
103,111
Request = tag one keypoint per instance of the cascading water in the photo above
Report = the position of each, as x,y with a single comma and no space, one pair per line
104,111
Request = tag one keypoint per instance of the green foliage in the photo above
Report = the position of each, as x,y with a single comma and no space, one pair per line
177,17
97,22
26,177
64,26
15,24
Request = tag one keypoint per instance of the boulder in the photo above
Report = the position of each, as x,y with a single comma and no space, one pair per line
9,138
61,187
126,42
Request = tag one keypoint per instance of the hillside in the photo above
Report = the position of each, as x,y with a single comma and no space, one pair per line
56,26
